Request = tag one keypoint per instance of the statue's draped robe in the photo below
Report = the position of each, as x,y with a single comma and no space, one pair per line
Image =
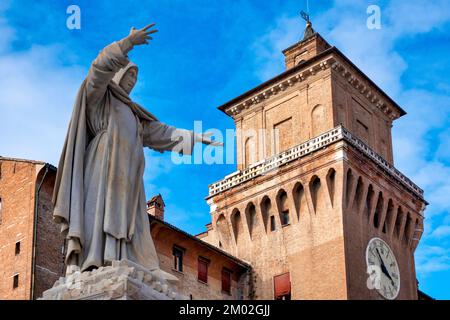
99,194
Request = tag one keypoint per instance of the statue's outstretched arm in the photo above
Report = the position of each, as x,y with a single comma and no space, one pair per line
162,137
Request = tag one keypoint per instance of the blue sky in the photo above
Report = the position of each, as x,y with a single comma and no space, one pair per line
209,51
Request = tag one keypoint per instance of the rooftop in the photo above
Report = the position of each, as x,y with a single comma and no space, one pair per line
203,243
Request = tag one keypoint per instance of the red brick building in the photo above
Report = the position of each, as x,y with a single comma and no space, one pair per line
31,257
32,247
204,271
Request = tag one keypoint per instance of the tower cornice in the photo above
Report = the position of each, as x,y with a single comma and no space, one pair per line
330,58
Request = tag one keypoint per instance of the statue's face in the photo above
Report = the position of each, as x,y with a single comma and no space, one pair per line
129,80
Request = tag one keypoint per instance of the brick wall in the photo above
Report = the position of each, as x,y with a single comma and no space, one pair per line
189,285
17,191
49,261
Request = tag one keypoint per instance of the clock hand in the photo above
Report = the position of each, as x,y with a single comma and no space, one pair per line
384,269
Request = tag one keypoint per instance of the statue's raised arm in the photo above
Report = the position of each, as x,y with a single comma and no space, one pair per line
111,59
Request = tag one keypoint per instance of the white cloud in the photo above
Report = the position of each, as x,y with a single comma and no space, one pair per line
441,232
269,59
431,259
37,93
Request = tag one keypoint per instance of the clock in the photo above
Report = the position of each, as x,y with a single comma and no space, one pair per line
382,267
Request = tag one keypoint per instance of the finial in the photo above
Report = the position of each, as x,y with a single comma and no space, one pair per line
309,31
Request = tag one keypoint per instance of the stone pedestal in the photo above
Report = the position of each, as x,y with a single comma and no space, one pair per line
123,280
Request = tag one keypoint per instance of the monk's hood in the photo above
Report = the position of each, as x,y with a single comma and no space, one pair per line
119,75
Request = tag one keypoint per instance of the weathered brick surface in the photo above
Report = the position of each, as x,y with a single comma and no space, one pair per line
189,285
49,261
359,228
17,191
19,183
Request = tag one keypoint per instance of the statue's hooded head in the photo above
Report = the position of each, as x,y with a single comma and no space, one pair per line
126,77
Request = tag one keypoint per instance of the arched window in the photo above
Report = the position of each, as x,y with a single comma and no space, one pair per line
250,151
317,120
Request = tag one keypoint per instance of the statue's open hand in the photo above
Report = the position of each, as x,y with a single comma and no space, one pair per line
205,138
138,37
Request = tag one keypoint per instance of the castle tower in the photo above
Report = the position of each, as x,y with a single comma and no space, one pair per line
317,206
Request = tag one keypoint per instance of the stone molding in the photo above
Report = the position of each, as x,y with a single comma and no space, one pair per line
278,87
328,138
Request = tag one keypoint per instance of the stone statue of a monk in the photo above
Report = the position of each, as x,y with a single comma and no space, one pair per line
99,197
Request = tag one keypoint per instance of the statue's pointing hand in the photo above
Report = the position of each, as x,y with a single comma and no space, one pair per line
138,37
205,138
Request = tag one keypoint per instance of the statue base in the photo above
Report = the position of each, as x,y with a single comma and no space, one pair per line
123,280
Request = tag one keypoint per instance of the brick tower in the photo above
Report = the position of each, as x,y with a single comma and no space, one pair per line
317,206
31,245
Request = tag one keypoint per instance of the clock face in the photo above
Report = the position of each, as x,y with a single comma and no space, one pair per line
382,267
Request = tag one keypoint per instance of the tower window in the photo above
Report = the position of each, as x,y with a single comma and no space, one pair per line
285,217
203,269
282,287
17,248
15,281
178,258
272,223
226,281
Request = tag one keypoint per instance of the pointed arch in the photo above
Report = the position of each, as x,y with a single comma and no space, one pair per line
236,223
378,210
283,207
349,186
358,194
300,203
223,231
331,184
314,189
368,202
398,222
389,216
266,208
252,219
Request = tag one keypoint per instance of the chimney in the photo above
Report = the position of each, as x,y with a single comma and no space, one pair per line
310,46
155,207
